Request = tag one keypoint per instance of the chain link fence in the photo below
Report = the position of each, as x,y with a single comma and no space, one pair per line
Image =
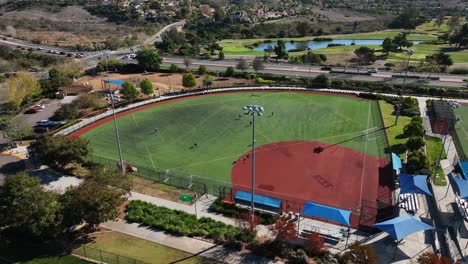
104,256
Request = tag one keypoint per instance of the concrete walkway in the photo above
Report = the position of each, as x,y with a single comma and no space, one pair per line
191,245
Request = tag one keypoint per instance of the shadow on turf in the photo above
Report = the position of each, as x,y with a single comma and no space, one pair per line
194,255
320,149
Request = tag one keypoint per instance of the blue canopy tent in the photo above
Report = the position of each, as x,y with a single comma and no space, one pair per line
401,227
331,213
414,184
396,162
462,186
464,168
118,82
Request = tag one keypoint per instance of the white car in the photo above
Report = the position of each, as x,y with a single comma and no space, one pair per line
373,71
39,107
45,123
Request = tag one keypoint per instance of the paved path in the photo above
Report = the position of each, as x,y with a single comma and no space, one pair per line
191,245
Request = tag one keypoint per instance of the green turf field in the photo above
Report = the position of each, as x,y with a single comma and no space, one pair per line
462,127
213,123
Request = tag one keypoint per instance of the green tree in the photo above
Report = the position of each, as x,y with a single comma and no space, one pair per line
17,128
298,257
149,59
92,203
444,37
147,87
365,55
65,113
59,151
174,68
303,28
408,19
454,22
417,163
229,71
401,41
20,88
414,143
242,64
460,37
221,55
257,64
208,80
129,91
442,59
26,208
414,128
187,63
280,50
188,80
202,69
388,45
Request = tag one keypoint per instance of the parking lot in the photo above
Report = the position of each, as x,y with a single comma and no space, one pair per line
51,105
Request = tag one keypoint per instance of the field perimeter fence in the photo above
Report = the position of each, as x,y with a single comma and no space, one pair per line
104,256
175,178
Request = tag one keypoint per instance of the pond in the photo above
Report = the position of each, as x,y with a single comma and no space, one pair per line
321,44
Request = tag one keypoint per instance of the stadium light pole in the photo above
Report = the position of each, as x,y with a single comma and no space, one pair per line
397,114
253,110
114,117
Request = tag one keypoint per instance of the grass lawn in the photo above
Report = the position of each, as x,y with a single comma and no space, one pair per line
111,243
462,127
213,123
394,132
433,146
34,254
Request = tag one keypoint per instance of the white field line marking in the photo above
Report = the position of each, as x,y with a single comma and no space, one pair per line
149,155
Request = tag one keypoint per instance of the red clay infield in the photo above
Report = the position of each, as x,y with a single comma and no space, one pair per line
338,176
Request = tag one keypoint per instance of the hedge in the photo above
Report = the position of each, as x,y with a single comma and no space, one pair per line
232,210
182,223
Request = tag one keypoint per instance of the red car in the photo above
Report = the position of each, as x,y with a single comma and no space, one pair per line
31,111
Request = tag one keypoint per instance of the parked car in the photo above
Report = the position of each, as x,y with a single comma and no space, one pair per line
31,111
39,48
113,96
45,123
62,53
39,107
326,68
373,71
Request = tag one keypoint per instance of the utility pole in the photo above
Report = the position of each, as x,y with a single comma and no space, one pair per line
114,117
253,110
397,114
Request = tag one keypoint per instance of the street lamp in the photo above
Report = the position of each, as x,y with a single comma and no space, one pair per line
114,117
253,110
397,114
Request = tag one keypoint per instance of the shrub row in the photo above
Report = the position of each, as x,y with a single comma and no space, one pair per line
232,210
182,223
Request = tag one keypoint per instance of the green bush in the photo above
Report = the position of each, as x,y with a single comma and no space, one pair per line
232,210
260,80
459,71
182,223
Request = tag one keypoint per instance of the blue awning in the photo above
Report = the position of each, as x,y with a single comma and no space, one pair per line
402,226
331,213
118,82
258,199
464,168
396,162
462,186
414,184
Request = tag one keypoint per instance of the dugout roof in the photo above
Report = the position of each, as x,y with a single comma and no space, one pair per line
118,82
402,226
462,186
258,199
464,168
327,212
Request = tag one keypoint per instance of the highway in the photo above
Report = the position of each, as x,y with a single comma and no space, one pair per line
91,59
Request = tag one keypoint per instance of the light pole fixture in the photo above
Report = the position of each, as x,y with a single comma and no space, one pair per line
397,114
253,110
114,117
